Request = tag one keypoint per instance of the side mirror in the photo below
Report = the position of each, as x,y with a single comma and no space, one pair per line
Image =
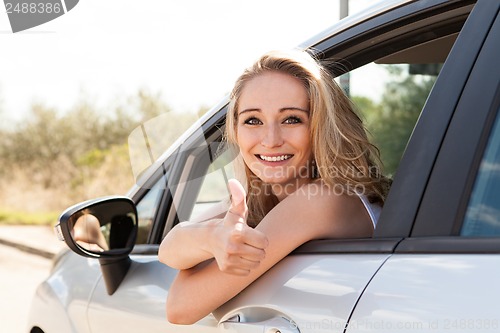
105,229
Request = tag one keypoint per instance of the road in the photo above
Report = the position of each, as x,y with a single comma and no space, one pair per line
20,274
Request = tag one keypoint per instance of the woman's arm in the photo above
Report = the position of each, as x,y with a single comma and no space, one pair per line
186,244
312,212
236,247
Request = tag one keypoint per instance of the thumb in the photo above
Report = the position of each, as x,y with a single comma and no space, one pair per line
238,198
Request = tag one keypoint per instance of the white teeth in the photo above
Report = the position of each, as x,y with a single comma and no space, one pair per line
275,158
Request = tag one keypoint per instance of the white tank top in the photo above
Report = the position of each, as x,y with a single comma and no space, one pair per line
373,209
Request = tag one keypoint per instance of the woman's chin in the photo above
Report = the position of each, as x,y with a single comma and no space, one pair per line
281,181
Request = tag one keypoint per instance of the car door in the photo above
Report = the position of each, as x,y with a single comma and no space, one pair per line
444,277
139,303
317,287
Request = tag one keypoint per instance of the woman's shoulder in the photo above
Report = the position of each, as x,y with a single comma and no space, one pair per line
343,213
318,197
318,189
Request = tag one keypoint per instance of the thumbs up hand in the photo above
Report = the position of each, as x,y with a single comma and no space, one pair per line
236,247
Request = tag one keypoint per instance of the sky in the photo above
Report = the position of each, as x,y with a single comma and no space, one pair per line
190,51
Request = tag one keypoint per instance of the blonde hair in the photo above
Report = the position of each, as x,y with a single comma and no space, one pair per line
343,156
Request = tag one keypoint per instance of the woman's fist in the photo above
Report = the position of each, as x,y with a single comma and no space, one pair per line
238,248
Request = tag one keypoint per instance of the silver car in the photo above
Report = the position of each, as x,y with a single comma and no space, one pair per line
433,263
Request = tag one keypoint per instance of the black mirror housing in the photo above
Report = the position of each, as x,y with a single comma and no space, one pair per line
104,229
100,228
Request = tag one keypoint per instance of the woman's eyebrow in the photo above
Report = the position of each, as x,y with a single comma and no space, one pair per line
293,108
286,108
250,110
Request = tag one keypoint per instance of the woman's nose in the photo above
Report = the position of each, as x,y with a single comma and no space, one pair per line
272,137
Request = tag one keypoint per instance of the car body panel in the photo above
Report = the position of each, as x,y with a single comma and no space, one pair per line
147,285
306,290
59,303
403,295
301,287
45,307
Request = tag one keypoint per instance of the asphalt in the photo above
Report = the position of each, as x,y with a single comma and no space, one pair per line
39,240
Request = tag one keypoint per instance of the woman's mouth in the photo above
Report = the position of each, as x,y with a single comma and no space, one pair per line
274,158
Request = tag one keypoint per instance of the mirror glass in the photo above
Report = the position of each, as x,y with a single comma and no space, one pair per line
108,226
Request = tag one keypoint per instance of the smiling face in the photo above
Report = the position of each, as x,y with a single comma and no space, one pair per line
273,130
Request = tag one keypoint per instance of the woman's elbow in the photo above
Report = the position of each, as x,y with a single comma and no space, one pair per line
179,318
165,256
180,315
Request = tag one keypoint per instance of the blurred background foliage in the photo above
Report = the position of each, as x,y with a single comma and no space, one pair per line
52,160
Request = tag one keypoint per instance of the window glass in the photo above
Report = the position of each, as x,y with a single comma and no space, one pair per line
390,98
214,186
146,210
483,213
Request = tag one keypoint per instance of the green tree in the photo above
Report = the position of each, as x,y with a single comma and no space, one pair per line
36,143
399,109
368,110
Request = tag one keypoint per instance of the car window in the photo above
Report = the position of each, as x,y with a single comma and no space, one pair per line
146,210
483,212
390,103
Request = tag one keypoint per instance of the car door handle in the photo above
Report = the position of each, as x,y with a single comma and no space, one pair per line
272,325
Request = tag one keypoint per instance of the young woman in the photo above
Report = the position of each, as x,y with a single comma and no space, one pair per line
310,173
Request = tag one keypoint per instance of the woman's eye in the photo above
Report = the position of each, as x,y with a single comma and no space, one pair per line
292,120
253,121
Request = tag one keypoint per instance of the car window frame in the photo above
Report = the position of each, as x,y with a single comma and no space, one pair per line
356,46
165,171
404,202
209,132
198,157
470,131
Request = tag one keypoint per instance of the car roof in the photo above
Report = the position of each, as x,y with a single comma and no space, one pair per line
376,9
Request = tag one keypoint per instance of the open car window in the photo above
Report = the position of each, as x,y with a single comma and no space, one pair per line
390,103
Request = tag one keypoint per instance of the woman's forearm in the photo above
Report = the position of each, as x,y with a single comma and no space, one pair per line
188,244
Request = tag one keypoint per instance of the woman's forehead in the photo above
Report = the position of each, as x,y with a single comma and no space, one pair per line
273,90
